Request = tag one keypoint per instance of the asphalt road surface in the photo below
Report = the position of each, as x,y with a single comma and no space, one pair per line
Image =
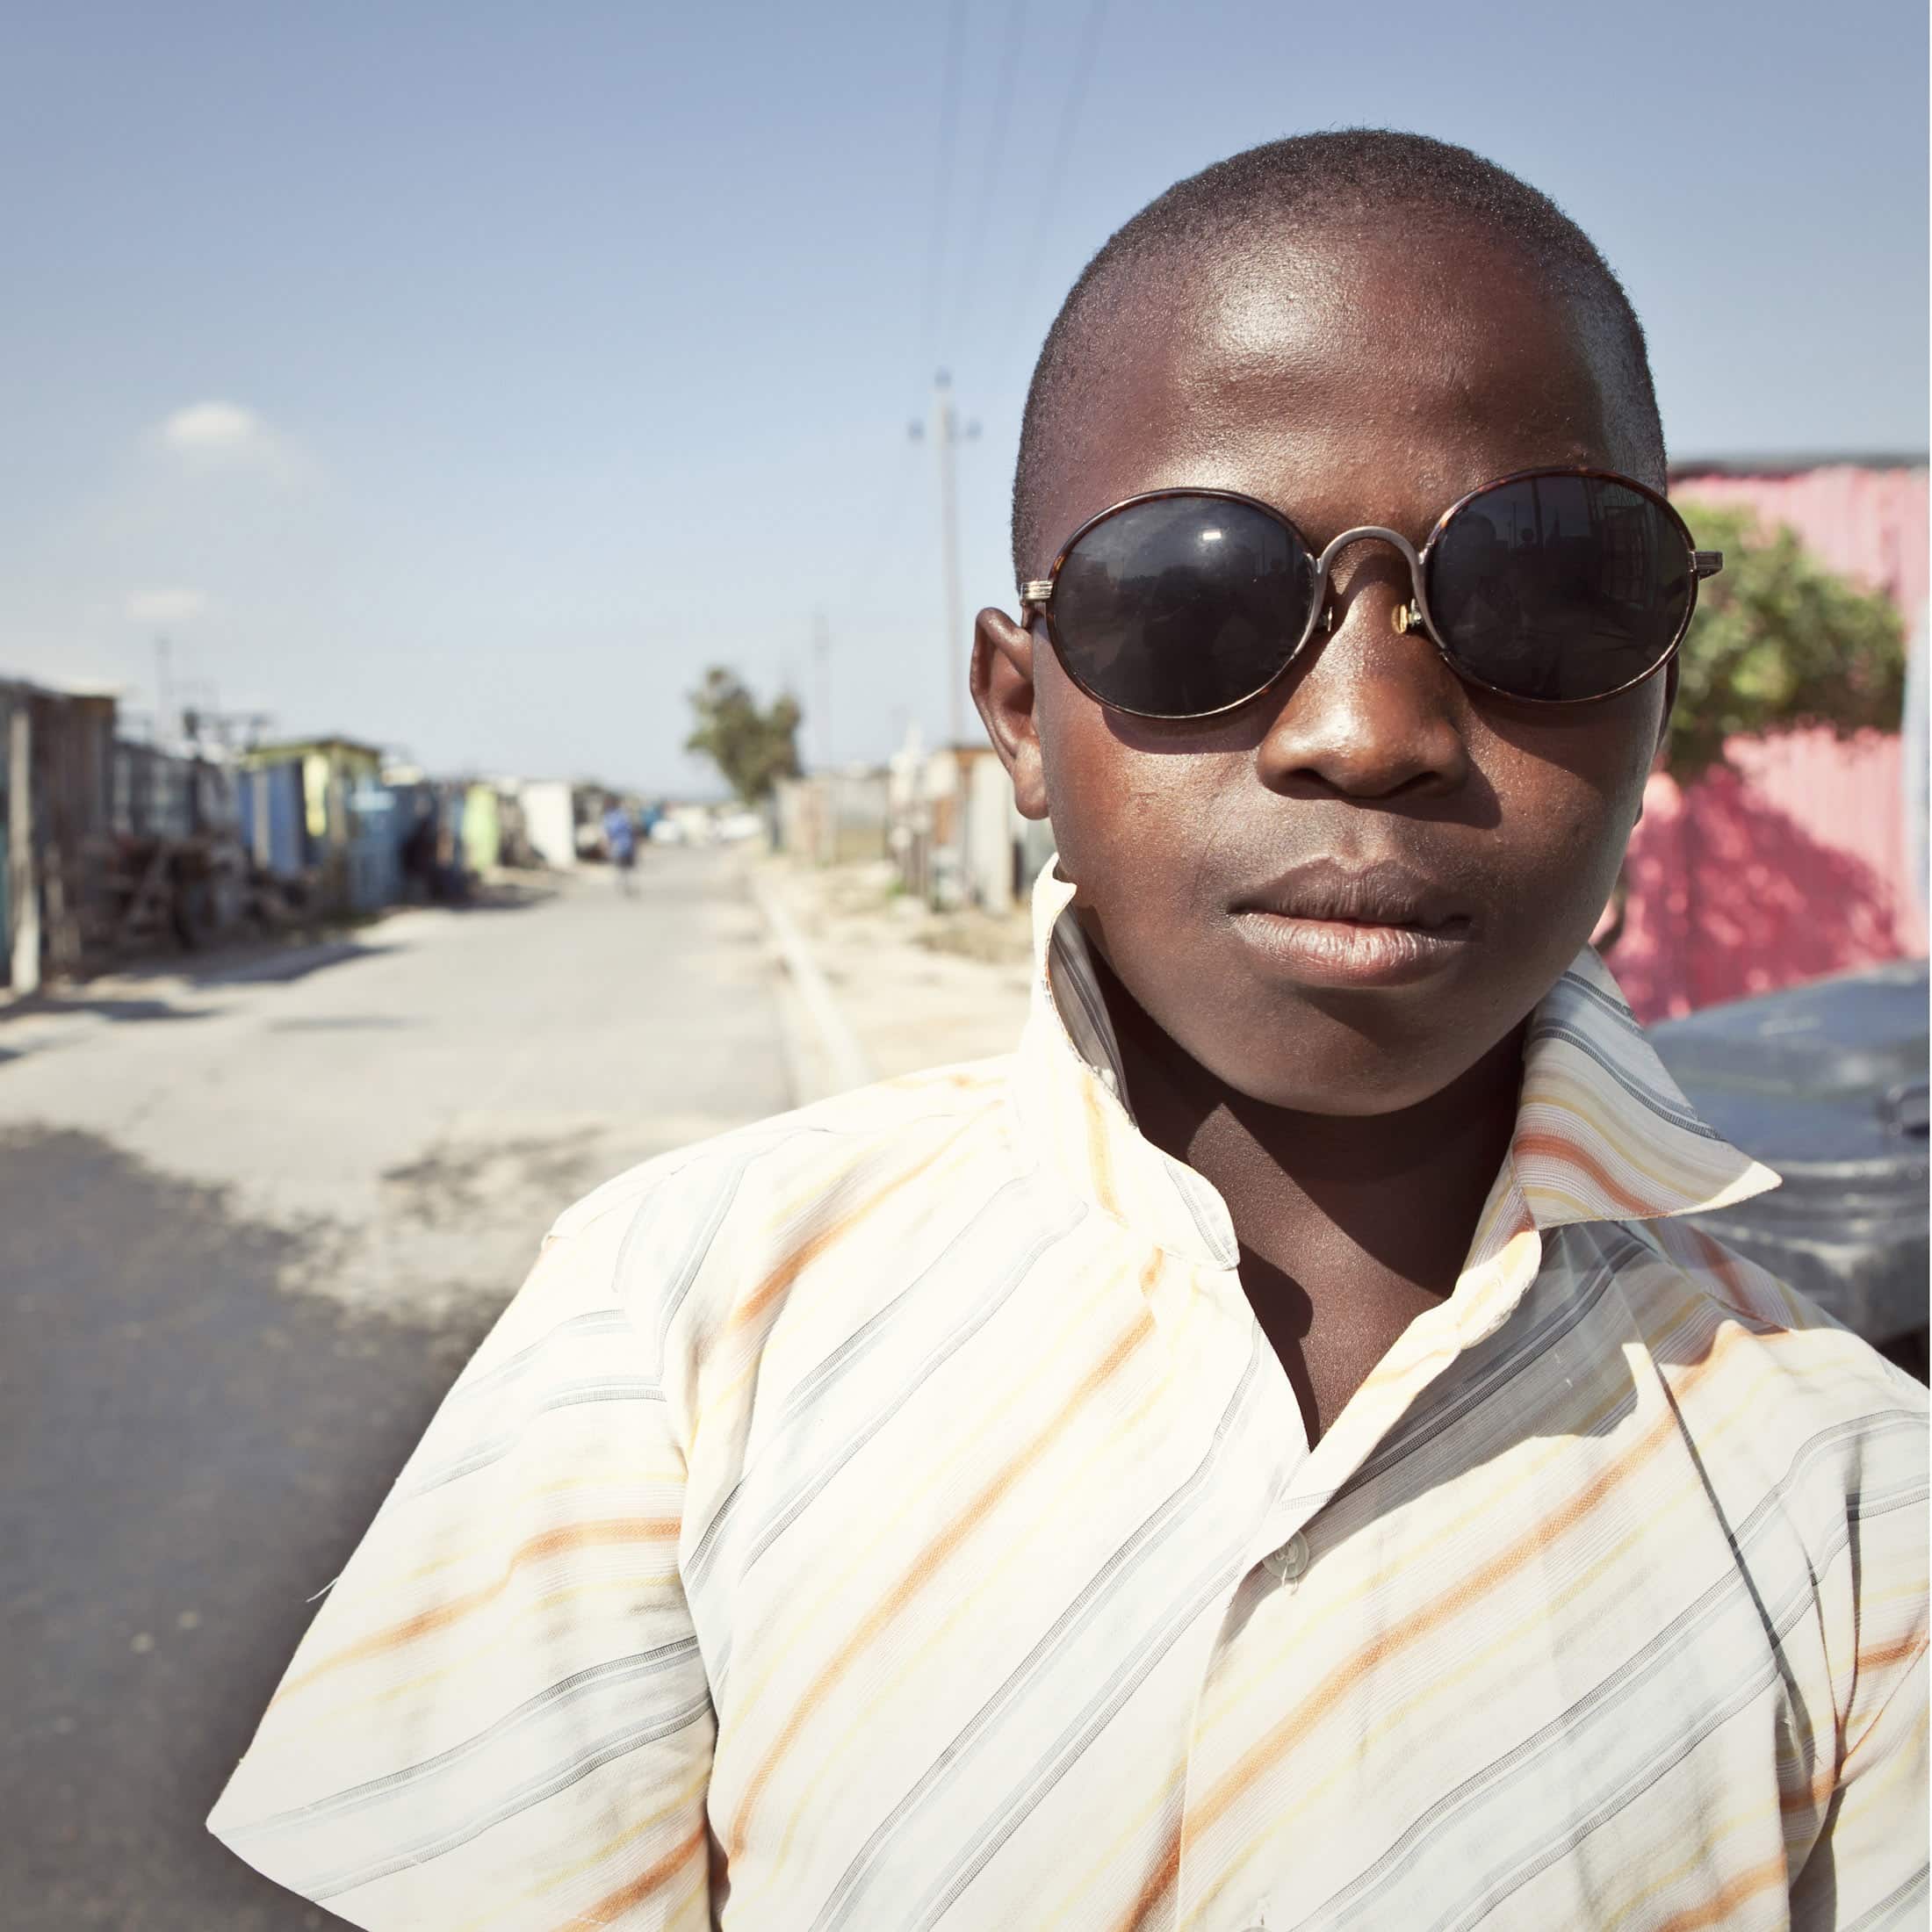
252,1222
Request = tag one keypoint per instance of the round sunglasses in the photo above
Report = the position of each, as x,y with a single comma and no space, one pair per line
1552,587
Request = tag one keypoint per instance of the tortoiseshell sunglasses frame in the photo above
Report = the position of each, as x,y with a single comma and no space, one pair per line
1037,594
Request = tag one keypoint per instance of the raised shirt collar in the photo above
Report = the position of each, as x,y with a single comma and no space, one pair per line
1602,1131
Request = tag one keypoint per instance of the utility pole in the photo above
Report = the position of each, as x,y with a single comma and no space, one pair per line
821,657
947,433
23,885
163,693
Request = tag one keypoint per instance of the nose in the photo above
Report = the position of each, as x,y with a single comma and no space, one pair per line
1371,711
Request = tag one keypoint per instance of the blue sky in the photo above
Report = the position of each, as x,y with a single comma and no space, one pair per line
469,378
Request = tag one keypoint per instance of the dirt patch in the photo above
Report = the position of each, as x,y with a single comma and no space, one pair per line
477,1179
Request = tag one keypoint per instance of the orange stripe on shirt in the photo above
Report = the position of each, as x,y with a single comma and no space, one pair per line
1451,1603
833,1233
1880,1655
925,1568
1559,1147
1160,1882
608,1909
562,1541
1453,1600
1100,1158
1728,1896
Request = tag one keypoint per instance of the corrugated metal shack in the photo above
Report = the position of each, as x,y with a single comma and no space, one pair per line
56,757
946,818
342,845
112,847
177,868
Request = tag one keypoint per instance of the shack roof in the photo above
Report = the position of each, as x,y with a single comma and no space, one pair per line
90,688
1790,463
302,747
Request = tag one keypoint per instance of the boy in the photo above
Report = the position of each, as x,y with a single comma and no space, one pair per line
1263,1454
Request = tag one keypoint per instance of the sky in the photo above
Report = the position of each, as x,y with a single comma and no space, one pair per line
467,379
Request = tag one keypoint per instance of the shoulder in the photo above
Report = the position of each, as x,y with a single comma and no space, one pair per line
1686,1274
703,1237
1813,1449
1725,1331
1793,1420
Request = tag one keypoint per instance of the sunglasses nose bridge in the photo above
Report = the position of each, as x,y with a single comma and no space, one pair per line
1331,555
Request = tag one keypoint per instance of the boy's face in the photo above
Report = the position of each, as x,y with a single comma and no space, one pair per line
1351,379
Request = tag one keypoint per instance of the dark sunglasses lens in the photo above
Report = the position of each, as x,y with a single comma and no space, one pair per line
1181,605
1560,586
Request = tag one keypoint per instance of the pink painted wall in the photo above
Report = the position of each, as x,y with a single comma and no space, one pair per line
1791,868
1795,864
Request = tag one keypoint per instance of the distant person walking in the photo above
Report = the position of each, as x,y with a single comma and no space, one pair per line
419,856
621,841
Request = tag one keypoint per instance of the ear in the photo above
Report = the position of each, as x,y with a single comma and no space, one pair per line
1663,726
1004,690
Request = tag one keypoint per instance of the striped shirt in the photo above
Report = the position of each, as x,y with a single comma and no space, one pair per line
892,1516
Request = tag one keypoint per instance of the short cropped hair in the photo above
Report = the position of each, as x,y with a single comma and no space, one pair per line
1306,181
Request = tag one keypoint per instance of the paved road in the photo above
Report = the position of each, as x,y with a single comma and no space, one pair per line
251,1224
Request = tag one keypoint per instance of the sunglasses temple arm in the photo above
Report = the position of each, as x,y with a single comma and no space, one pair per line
1707,563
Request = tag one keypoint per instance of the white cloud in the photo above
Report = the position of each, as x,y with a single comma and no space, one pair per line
215,437
215,428
173,604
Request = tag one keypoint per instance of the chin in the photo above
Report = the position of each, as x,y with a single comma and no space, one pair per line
1358,1092
1317,1064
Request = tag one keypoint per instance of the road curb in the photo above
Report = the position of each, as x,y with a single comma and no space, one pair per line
835,1046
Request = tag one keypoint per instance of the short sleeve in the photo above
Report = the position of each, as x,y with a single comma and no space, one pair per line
500,1718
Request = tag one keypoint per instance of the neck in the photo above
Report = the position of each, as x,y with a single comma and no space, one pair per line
1402,1192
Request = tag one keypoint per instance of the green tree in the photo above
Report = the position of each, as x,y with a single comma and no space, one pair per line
1777,641
753,746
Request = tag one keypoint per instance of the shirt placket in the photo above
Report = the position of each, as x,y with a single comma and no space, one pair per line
1286,1546
1273,1558
1281,1553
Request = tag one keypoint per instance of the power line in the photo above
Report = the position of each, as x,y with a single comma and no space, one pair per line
948,140
1079,73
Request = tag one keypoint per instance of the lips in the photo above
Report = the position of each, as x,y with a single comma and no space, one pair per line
1328,923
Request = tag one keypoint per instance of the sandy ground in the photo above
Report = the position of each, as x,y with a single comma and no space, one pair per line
919,989
415,1103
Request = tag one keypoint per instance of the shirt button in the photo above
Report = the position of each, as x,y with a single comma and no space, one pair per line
1286,1564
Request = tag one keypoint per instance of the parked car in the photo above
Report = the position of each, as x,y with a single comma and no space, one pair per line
1826,1083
